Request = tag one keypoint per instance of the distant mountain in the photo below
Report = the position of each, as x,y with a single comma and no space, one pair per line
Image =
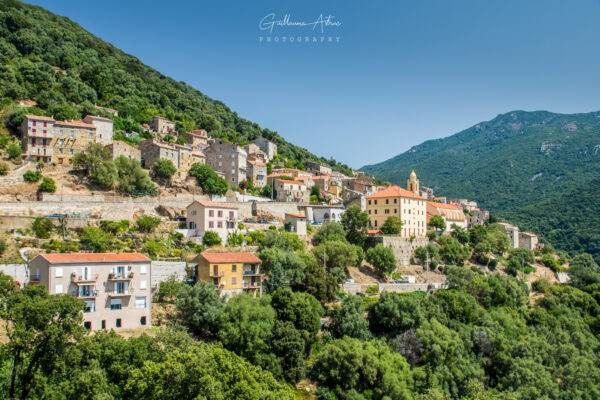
66,70
516,165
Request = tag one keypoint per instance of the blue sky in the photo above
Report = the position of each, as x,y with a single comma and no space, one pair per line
402,71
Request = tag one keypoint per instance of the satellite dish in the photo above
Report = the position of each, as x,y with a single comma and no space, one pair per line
223,283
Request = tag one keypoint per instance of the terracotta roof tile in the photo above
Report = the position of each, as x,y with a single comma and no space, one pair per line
230,257
215,204
39,117
93,257
296,215
395,191
292,182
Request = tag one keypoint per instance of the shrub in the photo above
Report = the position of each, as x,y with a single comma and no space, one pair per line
164,168
372,290
147,224
42,227
211,238
47,185
14,151
32,176
3,168
167,290
391,226
3,246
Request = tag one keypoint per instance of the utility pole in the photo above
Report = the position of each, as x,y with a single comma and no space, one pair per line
523,266
427,252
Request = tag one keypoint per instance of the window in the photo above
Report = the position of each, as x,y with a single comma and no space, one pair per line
59,272
34,123
387,211
220,214
90,306
231,214
211,224
375,211
115,304
233,171
211,213
103,324
395,211
233,268
58,289
387,201
71,151
233,164
33,130
118,323
45,124
395,201
375,222
234,280
140,302
143,321
375,201
143,269
60,150
219,224
143,284
87,325
72,134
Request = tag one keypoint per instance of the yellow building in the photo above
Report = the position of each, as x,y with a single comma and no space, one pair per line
398,202
232,273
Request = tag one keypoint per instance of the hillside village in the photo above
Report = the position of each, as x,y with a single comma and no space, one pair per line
190,230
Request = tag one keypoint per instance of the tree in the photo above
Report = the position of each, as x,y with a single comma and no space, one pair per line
317,281
133,179
91,157
199,307
245,327
334,254
106,174
355,223
584,271
47,185
208,180
349,320
329,231
235,239
284,268
382,258
42,227
391,226
301,309
266,191
32,176
428,252
348,364
164,168
451,251
14,152
148,224
41,329
211,239
437,222
315,190
520,259
169,289
288,344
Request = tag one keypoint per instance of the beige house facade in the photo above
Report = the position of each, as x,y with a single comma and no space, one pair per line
291,191
119,148
231,273
104,128
229,159
114,287
162,125
398,202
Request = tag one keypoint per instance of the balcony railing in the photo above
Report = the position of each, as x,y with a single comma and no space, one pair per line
251,285
216,274
85,294
122,293
252,272
120,277
83,278
40,133
40,151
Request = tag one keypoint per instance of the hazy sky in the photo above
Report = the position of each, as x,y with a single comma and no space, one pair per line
402,71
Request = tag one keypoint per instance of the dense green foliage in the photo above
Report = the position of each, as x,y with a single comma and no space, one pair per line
42,227
211,238
164,168
48,185
208,179
147,223
54,61
32,176
544,168
382,258
391,226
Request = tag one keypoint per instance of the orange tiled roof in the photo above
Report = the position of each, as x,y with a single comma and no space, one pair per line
259,163
394,191
215,204
93,257
230,257
77,124
100,118
296,215
446,206
374,232
292,182
39,117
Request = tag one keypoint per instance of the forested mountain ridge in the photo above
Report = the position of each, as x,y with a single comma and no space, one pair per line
506,164
66,70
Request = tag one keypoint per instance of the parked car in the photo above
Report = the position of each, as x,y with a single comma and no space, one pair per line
250,220
263,221
349,280
55,215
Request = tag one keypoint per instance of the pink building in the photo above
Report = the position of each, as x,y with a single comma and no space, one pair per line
213,216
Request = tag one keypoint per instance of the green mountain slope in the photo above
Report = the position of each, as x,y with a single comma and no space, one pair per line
50,59
516,160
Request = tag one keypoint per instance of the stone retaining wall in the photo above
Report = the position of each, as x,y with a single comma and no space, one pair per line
17,271
403,248
354,288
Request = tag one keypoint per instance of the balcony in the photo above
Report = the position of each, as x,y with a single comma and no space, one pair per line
41,151
40,133
120,277
82,279
85,294
251,285
252,272
123,293
216,274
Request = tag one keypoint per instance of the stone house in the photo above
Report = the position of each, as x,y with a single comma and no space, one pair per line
197,137
162,125
114,287
291,191
257,173
295,223
267,146
119,148
317,168
104,128
229,159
